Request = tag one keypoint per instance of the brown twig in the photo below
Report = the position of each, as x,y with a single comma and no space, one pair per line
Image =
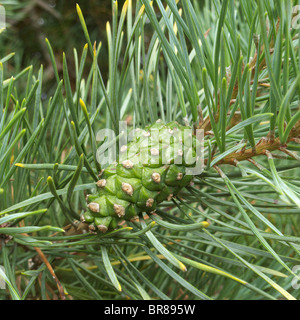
48,265
265,144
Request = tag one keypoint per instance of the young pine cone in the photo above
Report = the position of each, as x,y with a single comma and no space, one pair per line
151,169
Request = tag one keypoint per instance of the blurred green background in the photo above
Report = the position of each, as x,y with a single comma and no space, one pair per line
29,22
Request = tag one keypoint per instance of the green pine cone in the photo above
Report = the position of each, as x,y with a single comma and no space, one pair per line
152,169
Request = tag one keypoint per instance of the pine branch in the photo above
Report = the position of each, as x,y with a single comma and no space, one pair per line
265,144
